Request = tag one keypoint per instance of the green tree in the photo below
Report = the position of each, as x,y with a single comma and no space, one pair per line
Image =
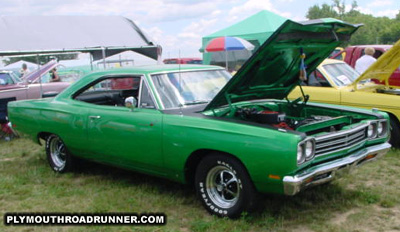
381,30
325,11
340,6
391,34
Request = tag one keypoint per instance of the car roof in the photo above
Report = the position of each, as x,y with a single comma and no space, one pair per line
160,68
135,70
183,59
332,61
384,46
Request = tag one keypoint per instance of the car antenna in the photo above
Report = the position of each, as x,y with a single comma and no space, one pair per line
180,77
179,64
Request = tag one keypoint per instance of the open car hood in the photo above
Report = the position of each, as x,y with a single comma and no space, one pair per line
384,66
273,70
33,77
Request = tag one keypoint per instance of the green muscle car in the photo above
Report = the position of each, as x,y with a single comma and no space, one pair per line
232,138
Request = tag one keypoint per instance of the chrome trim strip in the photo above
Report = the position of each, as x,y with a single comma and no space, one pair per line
144,80
341,148
11,90
340,133
355,136
155,93
328,171
351,138
139,100
209,68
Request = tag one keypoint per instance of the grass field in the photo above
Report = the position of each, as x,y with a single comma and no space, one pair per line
366,200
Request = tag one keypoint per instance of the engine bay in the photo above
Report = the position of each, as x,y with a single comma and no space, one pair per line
278,119
297,117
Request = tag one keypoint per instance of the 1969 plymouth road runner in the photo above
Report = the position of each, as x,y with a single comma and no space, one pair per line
230,137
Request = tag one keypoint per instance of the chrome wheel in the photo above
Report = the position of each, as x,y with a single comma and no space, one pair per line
222,187
58,152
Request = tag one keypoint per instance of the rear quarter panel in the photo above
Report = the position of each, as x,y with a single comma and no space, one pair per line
47,115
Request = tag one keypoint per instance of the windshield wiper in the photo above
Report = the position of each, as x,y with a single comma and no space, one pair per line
195,102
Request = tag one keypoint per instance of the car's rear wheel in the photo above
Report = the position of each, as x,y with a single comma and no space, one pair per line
224,186
57,154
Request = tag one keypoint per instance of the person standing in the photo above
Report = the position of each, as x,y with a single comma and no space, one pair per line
54,76
366,60
24,70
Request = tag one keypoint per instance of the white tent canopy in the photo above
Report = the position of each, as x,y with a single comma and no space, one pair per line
18,65
102,36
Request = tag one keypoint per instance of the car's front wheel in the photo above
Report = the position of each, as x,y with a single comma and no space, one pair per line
394,133
57,154
224,186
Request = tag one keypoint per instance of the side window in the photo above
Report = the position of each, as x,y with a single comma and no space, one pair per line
110,91
377,54
145,98
312,81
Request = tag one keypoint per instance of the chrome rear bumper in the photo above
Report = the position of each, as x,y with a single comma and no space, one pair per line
327,171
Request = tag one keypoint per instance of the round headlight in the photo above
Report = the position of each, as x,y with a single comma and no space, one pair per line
309,149
300,154
371,131
380,128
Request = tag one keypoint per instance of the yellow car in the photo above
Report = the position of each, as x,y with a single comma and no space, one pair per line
338,50
335,82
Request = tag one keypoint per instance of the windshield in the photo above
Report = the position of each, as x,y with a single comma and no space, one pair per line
341,73
5,79
189,87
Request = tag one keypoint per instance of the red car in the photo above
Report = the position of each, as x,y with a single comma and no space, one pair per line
183,61
355,52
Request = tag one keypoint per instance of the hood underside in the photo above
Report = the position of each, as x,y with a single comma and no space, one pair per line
273,70
33,77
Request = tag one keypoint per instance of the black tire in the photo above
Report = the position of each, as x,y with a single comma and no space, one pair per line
57,154
394,132
227,198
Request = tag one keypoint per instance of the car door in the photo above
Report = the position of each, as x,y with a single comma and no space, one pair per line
124,136
319,90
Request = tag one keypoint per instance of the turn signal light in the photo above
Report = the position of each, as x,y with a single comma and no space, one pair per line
370,157
276,177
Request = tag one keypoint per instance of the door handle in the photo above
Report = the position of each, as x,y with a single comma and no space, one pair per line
94,117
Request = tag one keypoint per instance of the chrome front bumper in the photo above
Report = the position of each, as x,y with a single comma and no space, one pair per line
327,171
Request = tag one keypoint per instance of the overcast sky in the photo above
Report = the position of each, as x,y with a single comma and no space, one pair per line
179,25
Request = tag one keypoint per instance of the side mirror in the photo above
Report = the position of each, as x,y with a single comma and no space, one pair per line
130,102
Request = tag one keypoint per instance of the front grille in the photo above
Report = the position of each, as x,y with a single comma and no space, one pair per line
340,140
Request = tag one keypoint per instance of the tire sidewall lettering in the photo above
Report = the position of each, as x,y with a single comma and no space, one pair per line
204,195
49,157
